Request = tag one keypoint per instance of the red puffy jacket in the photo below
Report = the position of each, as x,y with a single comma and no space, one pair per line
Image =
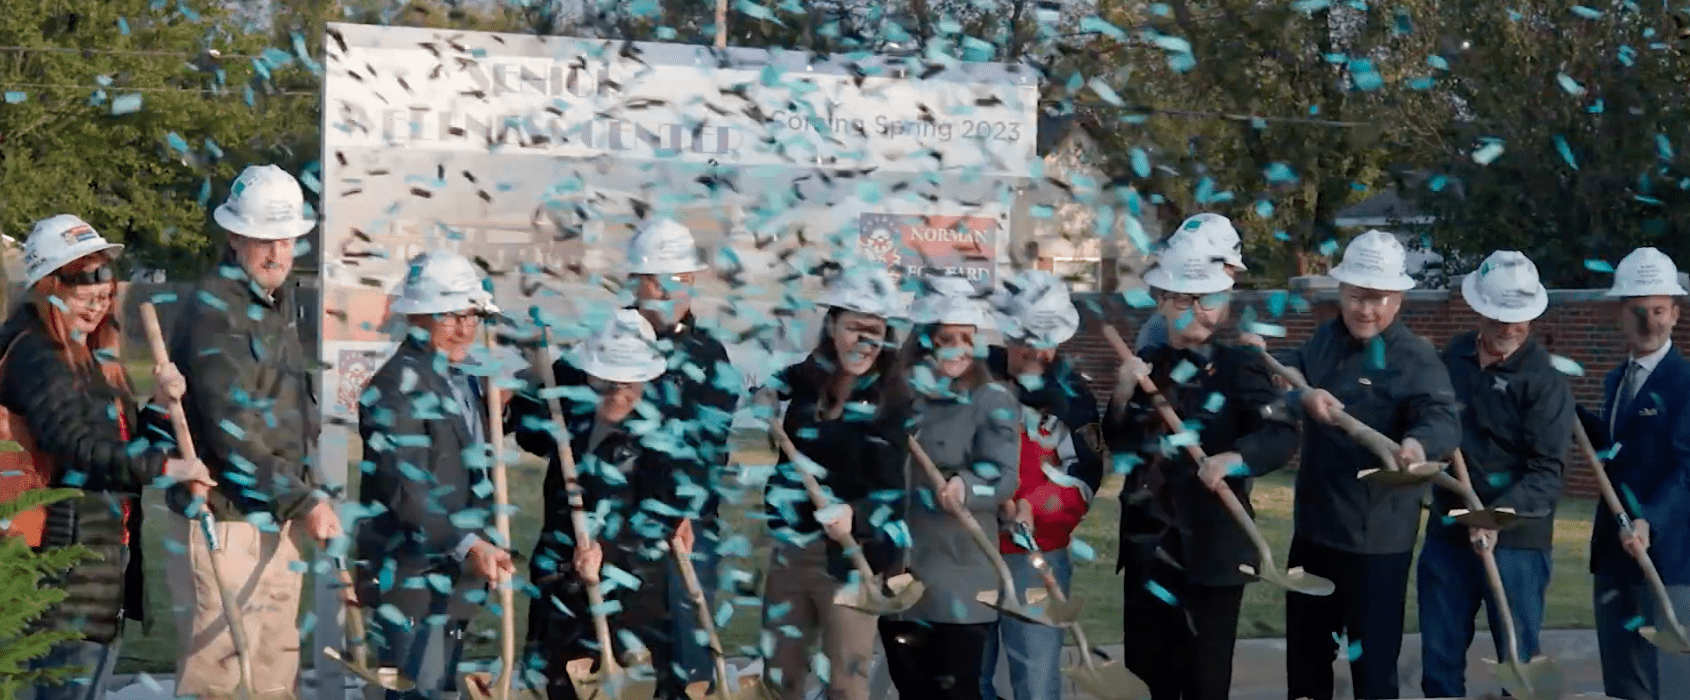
1058,508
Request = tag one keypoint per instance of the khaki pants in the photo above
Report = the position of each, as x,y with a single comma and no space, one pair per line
797,582
255,566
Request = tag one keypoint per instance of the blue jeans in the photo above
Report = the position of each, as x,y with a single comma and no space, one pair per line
1632,668
691,650
1034,651
426,653
96,661
1451,583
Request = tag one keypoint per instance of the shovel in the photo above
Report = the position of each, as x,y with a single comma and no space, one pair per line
1058,606
751,687
1382,447
611,680
214,549
899,592
1540,678
1294,579
383,677
1004,600
1672,637
1107,681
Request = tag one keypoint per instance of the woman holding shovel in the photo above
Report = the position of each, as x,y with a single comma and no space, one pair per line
629,490
969,425
850,412
1180,547
431,509
65,399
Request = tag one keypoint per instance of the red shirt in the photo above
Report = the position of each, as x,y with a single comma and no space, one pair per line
1057,509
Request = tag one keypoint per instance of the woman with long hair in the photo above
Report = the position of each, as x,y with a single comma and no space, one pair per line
968,424
66,401
849,411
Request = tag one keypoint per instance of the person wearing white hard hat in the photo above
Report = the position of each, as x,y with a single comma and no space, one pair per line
1060,468
421,496
1217,232
849,410
1356,533
67,401
250,406
969,425
634,501
1644,413
696,399
1177,537
1516,421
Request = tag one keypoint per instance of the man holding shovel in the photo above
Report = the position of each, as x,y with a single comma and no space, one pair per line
1645,423
1181,548
1516,420
1360,534
425,545
251,410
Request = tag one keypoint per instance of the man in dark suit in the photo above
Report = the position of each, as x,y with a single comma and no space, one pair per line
1644,413
426,546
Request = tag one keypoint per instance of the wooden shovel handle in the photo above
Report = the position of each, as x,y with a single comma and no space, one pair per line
819,499
1612,498
1487,555
988,545
1382,447
1054,587
161,355
501,520
1195,451
706,621
577,501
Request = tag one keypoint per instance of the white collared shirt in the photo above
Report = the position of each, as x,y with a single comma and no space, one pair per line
1636,376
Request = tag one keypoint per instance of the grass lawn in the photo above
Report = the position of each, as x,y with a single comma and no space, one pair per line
1569,604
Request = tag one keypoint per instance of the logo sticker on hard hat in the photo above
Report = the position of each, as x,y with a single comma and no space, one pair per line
78,234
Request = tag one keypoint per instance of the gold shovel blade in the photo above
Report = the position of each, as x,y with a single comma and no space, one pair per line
1665,639
1296,580
1032,615
1060,611
616,684
906,591
1416,474
386,677
1487,519
1108,681
1537,679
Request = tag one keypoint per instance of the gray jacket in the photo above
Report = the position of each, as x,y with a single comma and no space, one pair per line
979,438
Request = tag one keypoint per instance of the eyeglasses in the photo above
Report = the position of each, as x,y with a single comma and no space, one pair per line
98,275
91,300
1206,302
459,317
605,386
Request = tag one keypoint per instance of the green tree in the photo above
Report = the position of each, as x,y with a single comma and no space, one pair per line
120,114
23,599
1570,141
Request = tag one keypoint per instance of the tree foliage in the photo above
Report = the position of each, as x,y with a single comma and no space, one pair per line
23,599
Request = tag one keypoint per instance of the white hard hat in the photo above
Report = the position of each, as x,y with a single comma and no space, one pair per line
623,350
1190,266
663,247
1375,260
58,241
949,300
440,282
1033,307
265,203
1646,272
1506,288
866,288
1217,230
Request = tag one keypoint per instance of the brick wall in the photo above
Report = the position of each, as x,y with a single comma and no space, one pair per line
1579,324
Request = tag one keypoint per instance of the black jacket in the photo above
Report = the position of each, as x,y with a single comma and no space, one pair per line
632,487
700,391
1064,394
1516,427
250,403
73,417
425,485
1164,504
1395,383
864,452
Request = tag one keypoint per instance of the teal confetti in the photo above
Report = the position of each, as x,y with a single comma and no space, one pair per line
1438,183
1663,146
1276,302
1264,209
1566,151
1423,82
176,142
1596,107
1586,12
1633,624
1403,24
1183,372
1595,265
123,26
1376,352
187,12
15,96
1628,55
1266,330
1093,24
1437,62
1139,298
1569,85
751,9
1328,247
1205,190
1157,590
126,104
1281,236
1104,91
1488,153
1141,162
1309,7
1279,172
1364,77
1215,402
1081,550
1566,366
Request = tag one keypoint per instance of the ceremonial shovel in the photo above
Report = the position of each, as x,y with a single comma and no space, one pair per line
1540,679
867,595
750,688
382,678
208,527
1294,579
1107,681
1382,447
1672,637
1005,600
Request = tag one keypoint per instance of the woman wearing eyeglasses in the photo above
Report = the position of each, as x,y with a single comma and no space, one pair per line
849,412
968,425
66,401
